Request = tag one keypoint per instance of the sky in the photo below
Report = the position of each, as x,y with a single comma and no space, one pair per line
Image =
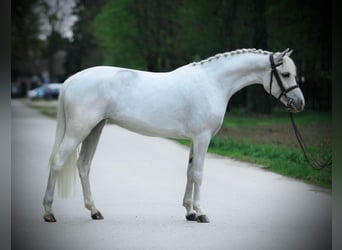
63,10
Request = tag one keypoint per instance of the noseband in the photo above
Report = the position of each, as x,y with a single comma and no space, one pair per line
275,73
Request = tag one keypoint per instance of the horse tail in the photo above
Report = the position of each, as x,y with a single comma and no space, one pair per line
67,175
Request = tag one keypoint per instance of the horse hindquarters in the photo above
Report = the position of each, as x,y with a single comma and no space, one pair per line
70,133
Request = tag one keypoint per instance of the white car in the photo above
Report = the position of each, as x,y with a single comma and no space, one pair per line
46,91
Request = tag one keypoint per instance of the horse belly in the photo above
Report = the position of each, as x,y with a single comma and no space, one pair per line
151,120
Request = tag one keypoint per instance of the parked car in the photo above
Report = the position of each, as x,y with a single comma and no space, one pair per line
46,91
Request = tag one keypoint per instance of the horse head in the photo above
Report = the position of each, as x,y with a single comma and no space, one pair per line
280,81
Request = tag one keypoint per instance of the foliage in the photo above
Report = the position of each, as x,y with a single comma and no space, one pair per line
24,36
84,51
305,26
137,34
161,35
116,30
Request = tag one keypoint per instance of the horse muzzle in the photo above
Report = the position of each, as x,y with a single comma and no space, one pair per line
295,106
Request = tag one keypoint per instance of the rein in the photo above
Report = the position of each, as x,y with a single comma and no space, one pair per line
314,163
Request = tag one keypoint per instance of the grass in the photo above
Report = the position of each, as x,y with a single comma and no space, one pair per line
45,107
267,140
280,117
283,160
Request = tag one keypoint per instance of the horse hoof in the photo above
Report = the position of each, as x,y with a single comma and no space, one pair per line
97,216
191,217
49,218
203,219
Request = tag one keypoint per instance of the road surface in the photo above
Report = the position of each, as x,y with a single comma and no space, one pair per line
138,184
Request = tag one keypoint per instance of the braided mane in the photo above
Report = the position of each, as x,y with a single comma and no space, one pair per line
232,53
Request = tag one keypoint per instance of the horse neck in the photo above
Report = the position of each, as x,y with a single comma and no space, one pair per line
232,73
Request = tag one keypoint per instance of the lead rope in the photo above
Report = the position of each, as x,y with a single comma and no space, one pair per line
314,163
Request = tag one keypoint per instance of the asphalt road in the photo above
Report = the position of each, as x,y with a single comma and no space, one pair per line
138,184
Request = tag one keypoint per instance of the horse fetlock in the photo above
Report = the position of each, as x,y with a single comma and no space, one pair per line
187,203
189,207
89,204
92,209
47,203
198,209
201,217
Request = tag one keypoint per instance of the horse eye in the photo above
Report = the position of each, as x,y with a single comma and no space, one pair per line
285,74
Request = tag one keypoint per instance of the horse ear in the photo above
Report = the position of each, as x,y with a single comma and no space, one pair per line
289,52
285,52
278,57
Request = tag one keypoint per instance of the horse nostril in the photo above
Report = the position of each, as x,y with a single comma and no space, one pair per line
301,104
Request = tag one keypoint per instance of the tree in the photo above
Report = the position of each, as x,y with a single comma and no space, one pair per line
137,34
116,31
162,35
262,104
26,46
305,26
84,51
155,29
55,45
53,20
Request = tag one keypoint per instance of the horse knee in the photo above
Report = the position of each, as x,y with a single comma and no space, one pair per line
195,176
197,205
57,164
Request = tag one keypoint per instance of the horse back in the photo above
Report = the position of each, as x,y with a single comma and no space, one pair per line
155,104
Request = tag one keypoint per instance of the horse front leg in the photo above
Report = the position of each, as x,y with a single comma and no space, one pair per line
188,196
195,174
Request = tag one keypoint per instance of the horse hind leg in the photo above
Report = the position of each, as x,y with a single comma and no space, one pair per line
64,158
66,149
86,155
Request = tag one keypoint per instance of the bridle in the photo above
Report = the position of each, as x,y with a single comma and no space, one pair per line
284,91
315,163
